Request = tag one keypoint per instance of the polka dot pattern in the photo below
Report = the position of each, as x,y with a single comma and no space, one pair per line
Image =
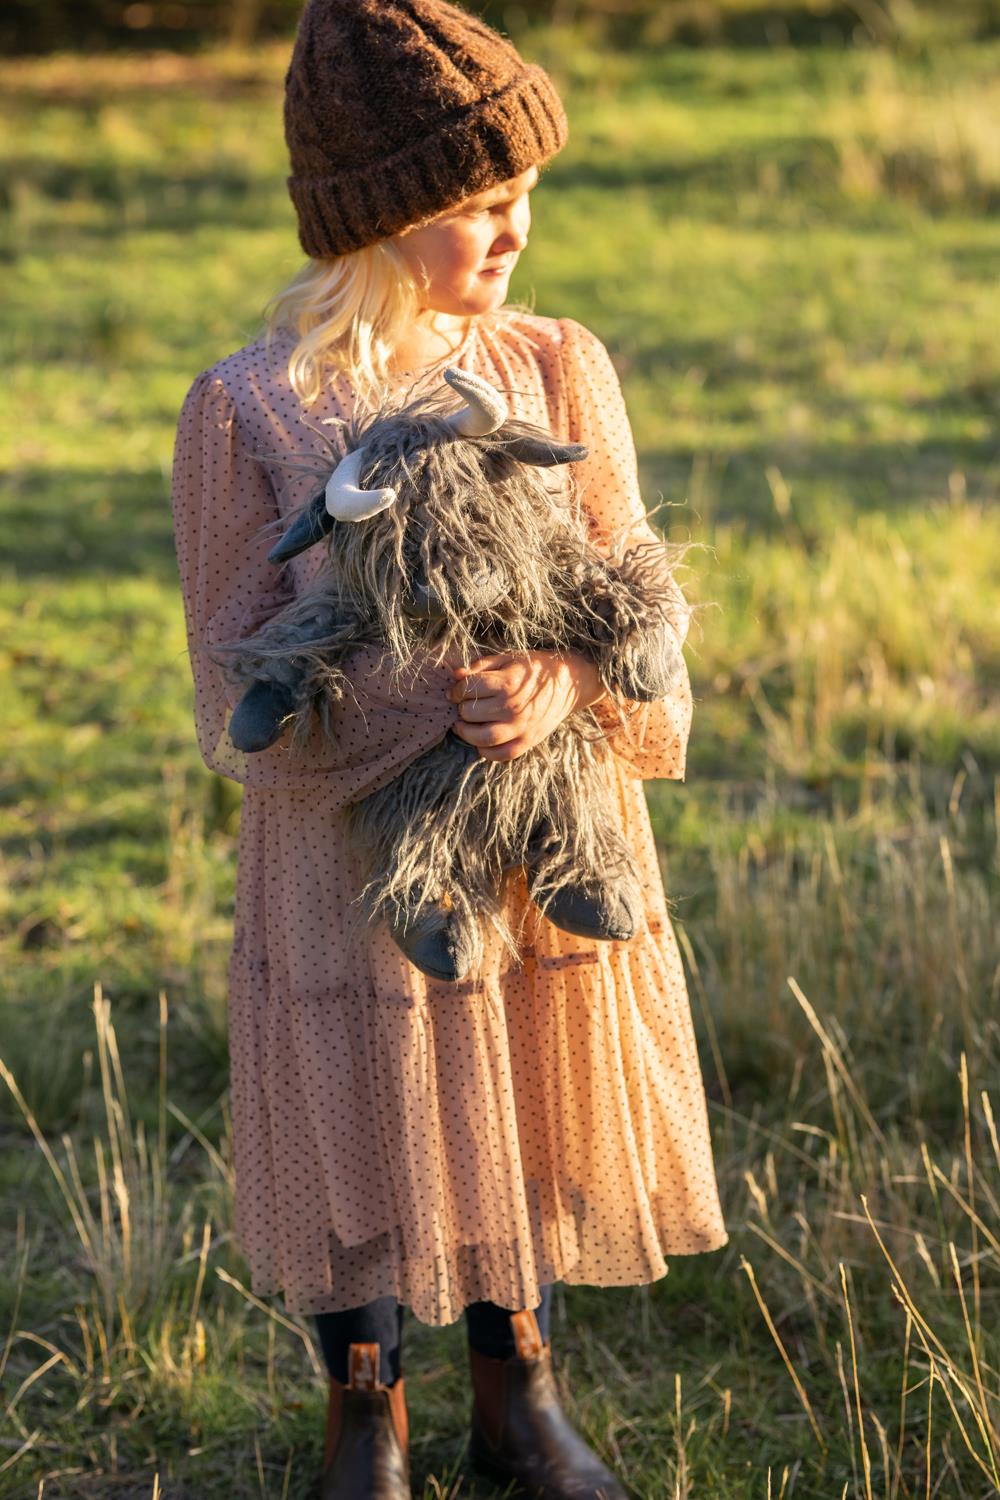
446,1144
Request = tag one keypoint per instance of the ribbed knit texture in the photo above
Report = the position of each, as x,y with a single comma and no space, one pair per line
397,109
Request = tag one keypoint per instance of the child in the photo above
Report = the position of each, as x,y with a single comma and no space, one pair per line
401,1142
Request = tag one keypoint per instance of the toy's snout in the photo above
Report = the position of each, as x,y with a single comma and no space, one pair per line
470,594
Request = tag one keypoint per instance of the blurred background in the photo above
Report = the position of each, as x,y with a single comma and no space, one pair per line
782,218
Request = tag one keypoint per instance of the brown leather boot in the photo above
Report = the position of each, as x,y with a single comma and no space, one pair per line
367,1434
519,1429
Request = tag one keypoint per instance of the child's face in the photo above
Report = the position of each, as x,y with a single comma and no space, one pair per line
464,257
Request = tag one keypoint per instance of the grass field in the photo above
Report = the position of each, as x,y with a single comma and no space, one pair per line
793,255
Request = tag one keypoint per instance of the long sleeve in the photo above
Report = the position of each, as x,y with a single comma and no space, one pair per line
650,737
222,499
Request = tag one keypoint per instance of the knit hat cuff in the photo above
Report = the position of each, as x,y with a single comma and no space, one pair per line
479,146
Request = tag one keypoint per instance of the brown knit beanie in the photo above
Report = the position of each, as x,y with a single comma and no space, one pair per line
397,109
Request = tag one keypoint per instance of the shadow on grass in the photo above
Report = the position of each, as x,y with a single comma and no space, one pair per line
157,200
77,524
794,173
828,481
68,523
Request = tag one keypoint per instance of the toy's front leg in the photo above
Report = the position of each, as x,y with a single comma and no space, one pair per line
650,665
277,663
629,631
258,719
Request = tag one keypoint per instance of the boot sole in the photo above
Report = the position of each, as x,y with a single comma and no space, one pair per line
484,1465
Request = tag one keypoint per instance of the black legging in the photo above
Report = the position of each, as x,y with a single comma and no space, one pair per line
487,1327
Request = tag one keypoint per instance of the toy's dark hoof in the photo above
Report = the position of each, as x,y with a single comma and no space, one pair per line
257,718
435,944
654,674
608,915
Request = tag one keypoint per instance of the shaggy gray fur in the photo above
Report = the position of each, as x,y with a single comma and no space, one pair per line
481,552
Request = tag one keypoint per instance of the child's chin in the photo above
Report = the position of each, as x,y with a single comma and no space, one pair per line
490,292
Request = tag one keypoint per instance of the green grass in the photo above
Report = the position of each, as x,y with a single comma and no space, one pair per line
793,256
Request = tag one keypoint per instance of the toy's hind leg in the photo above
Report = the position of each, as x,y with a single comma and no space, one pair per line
423,874
581,873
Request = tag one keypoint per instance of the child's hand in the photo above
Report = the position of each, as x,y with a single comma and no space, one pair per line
509,703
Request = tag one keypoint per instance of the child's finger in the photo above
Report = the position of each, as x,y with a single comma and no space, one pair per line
481,685
488,663
510,751
486,711
484,735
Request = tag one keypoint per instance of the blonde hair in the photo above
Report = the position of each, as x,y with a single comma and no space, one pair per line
349,313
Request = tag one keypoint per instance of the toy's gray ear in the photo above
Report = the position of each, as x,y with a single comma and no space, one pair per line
543,453
312,526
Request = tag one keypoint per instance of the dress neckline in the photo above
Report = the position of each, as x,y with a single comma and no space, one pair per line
412,376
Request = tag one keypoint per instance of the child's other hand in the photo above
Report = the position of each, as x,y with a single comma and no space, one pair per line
510,702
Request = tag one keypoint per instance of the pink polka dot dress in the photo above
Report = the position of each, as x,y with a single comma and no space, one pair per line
445,1143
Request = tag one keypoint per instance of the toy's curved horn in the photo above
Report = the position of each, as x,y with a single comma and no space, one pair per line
544,453
486,410
346,500
312,526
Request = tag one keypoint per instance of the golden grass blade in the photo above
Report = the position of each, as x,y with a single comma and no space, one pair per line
883,1442
789,1259
904,1292
930,1426
29,1381
866,1462
848,1412
271,1313
161,1093
833,1052
101,1024
797,1383
46,1151
968,1210
684,943
206,1240
36,1338
946,1377
946,1374
25,1447
94,1239
984,1424
991,1126
963,1073
925,1256
8,1342
202,1139
900,1441
681,1490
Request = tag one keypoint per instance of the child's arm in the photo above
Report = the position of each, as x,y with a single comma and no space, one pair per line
221,499
652,737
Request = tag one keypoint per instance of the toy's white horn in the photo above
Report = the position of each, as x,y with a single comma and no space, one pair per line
346,500
486,410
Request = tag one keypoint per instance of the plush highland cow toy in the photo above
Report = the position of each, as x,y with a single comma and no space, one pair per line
446,537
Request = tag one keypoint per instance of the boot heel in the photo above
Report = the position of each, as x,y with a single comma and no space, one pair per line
483,1463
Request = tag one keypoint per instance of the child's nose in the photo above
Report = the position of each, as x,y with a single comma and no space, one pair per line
513,236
